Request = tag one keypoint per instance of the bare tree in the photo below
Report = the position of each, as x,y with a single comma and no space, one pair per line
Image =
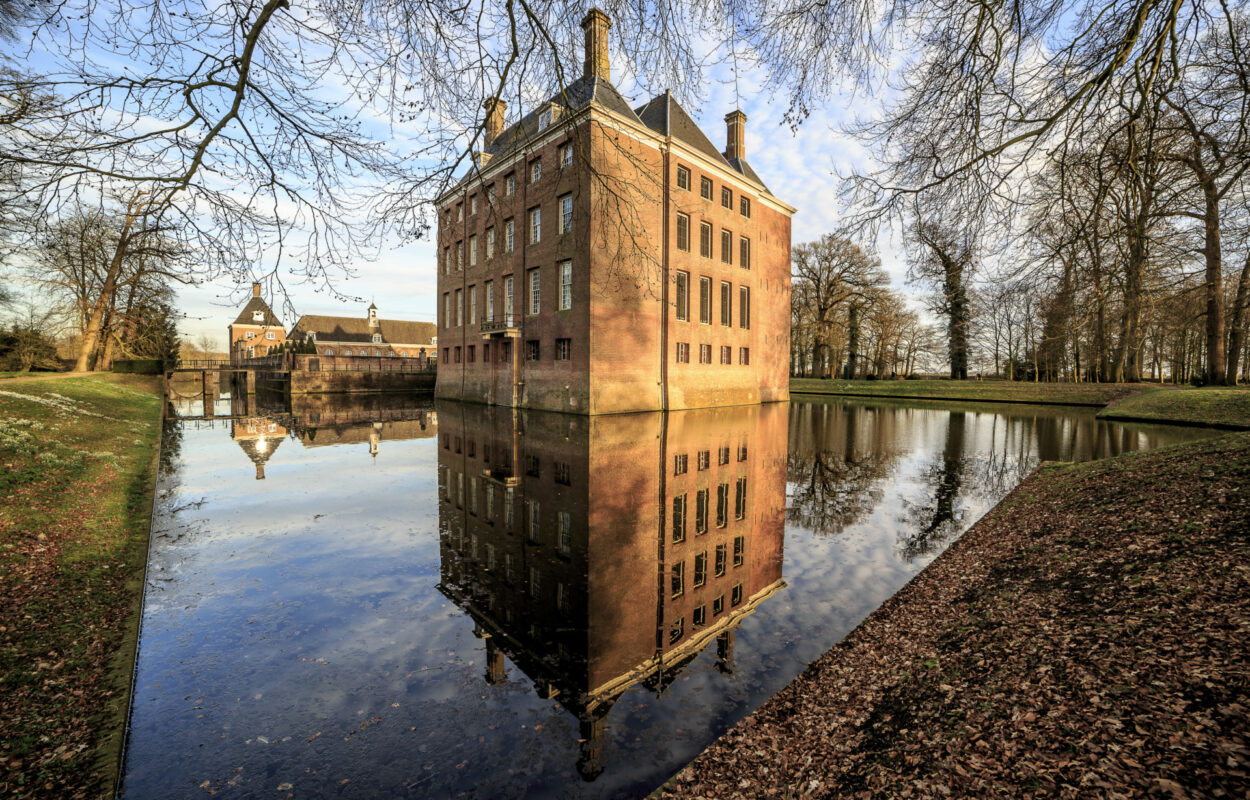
946,263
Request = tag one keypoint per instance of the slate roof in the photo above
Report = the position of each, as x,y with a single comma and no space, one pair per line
356,329
257,304
579,93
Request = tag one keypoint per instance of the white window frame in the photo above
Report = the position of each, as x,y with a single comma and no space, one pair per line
535,291
509,184
509,297
509,236
490,301
472,305
566,214
536,225
566,155
536,170
270,335
490,243
473,250
566,285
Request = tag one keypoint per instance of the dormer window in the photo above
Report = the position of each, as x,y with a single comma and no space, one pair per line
258,316
377,338
310,337
544,118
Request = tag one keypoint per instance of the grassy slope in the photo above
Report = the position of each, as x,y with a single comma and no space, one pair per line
1206,406
1090,394
1088,637
75,500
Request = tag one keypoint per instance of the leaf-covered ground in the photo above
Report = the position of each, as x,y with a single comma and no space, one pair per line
1090,637
1089,394
77,458
1205,406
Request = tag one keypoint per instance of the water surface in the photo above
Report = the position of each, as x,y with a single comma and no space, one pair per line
376,597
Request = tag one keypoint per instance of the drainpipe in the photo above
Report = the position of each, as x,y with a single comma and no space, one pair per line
664,263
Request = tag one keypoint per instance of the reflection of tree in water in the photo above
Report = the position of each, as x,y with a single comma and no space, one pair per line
171,447
930,526
834,469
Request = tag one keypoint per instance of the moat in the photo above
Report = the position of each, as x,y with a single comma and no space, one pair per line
381,597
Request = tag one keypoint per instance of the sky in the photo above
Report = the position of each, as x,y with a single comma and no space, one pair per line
800,167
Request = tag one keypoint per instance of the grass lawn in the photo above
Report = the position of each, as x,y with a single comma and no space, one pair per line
1087,394
1205,406
78,457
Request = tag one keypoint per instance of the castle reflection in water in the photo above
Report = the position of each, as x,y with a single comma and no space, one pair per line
593,553
600,553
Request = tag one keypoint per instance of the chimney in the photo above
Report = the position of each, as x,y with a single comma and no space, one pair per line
494,119
736,135
596,25
255,290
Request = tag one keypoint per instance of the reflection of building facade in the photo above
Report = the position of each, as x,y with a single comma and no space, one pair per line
597,553
259,437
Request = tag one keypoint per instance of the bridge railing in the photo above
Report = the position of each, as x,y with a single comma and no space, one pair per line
203,363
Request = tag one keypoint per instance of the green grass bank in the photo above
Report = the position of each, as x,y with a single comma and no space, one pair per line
79,456
1090,636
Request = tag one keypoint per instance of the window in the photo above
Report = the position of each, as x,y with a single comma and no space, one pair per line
705,354
722,505
490,194
377,338
705,459
535,585
473,251
683,353
566,155
742,452
536,225
726,305
726,247
683,178
536,170
249,335
459,307
535,294
679,518
505,351
544,118
740,549
490,243
472,353
744,307
678,578
270,335
535,533
740,499
699,617
509,236
700,512
533,466
531,350
329,351
457,351
683,232
735,598
678,630
683,295
705,300
490,302
566,285
744,356
566,214
705,188
705,239
563,349
679,464
445,352
726,197
744,252
726,354
507,301
718,605
472,305
566,531
563,473
744,206
722,455
473,204
722,557
258,316
700,570
459,256
459,212
446,260
509,184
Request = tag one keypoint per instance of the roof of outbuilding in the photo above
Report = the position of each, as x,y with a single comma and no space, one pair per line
257,304
357,329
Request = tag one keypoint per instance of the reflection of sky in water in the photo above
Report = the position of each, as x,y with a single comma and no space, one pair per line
293,631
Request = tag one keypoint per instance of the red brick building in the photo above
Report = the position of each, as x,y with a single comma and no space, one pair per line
256,331
367,336
601,258
554,528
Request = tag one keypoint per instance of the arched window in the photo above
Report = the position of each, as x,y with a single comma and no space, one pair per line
329,351
347,352
403,353
377,352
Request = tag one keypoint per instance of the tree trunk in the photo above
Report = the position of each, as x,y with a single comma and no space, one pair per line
852,343
1237,326
1215,362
